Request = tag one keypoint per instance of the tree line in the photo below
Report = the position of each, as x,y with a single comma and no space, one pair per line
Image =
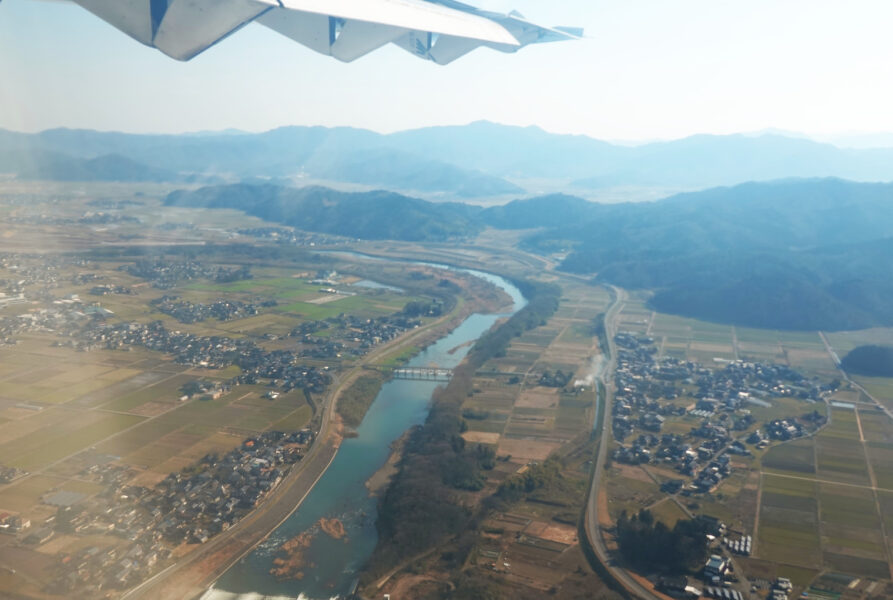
422,507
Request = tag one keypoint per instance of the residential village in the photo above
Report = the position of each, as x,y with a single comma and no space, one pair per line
189,507
220,309
649,391
131,531
165,274
652,392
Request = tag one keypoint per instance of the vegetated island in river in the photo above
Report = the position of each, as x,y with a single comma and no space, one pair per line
290,562
383,476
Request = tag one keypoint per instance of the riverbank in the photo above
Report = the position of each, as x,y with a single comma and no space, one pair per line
342,492
382,477
192,575
421,508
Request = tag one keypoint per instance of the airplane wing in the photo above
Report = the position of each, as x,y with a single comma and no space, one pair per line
444,49
436,30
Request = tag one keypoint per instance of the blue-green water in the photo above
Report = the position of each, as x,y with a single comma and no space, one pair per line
332,565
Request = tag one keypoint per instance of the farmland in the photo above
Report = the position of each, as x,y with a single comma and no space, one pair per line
819,504
534,407
815,504
73,405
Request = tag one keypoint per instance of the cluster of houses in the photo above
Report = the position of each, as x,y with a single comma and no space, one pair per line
368,333
84,328
215,352
647,390
190,506
221,309
718,579
740,382
104,218
354,335
13,523
107,472
95,570
45,271
740,546
785,429
109,289
717,575
84,277
10,474
293,237
165,274
67,317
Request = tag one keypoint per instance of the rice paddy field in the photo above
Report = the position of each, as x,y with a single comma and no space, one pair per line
710,343
524,420
821,504
62,411
88,408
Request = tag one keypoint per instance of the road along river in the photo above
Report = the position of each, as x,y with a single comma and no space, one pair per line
330,559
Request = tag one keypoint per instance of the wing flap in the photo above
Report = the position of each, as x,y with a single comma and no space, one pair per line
411,15
192,26
133,17
436,30
358,38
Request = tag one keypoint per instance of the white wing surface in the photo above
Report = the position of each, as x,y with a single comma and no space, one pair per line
436,30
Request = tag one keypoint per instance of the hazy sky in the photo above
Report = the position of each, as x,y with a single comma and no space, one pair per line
649,69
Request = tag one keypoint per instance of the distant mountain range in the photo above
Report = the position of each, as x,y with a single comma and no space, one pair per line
338,154
476,160
792,254
784,253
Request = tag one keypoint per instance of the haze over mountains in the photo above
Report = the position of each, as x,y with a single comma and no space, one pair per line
791,254
476,160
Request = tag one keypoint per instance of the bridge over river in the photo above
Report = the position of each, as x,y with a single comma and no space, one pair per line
435,373
423,373
213,594
426,373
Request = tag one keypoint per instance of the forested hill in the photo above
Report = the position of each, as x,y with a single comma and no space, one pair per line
793,254
375,215
790,254
874,361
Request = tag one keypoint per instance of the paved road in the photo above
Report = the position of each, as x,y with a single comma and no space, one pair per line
591,523
190,576
193,574
836,359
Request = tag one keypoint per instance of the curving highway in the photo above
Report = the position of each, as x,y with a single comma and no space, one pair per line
591,523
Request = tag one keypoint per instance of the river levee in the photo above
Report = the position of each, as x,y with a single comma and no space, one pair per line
329,538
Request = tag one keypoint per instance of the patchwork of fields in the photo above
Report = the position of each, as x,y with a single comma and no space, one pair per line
89,408
511,409
66,415
821,504
705,342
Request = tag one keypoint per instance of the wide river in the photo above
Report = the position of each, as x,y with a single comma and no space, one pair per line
332,565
